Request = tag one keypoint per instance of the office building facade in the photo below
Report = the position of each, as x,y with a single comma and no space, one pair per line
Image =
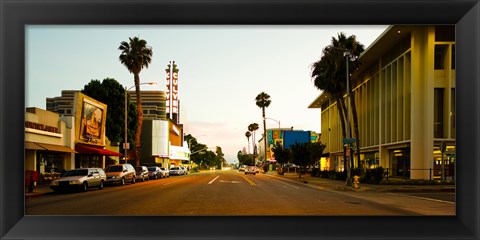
405,101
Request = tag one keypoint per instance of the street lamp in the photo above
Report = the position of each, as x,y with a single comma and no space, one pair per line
348,56
279,131
125,141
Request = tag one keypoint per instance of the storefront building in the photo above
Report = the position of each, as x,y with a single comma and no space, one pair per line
49,143
405,101
163,144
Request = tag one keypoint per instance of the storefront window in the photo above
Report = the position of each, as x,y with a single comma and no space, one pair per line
448,161
400,163
49,162
85,161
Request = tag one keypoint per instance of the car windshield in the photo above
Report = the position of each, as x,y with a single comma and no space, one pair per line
139,168
174,168
152,168
114,169
76,172
163,169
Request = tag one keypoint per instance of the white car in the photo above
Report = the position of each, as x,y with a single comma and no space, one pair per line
251,170
80,179
165,172
176,171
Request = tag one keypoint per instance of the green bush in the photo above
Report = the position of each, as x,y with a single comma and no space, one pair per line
315,172
373,176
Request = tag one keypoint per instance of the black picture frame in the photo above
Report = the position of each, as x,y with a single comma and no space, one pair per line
15,15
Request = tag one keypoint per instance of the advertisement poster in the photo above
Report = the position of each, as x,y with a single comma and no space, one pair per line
90,120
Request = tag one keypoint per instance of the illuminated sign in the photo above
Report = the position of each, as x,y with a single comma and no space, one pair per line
172,90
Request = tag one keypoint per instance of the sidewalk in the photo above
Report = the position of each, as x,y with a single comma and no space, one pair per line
39,190
341,186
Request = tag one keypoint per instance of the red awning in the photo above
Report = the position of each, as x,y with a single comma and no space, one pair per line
95,151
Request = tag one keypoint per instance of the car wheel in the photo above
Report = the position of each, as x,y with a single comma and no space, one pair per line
133,180
156,177
122,182
84,187
101,185
143,179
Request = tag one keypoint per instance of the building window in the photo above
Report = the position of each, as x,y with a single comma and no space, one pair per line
438,113
400,163
440,54
452,114
453,56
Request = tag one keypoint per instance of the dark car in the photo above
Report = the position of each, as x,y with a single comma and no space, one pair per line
120,174
80,179
142,173
154,173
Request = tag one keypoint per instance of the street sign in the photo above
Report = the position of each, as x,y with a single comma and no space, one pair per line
349,140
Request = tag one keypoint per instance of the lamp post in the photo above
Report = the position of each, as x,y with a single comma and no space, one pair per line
347,54
279,131
126,146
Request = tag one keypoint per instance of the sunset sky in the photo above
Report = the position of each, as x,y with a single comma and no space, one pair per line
222,70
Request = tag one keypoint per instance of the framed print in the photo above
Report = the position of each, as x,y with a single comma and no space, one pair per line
17,15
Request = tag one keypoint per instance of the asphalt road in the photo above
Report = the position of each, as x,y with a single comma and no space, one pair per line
220,193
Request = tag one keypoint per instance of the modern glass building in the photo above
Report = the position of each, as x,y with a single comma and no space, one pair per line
405,99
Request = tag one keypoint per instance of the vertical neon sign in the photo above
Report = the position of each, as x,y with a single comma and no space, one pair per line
172,91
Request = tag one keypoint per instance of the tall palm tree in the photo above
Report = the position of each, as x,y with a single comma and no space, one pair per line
355,48
253,127
135,56
263,101
248,134
329,75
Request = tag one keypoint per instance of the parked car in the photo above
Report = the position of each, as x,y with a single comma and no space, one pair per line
141,173
80,179
120,174
251,170
242,168
185,170
176,171
154,173
165,172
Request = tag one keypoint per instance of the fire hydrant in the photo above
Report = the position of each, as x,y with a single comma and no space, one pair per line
356,183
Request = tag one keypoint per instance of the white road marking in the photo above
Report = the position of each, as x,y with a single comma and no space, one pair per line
423,198
229,181
214,179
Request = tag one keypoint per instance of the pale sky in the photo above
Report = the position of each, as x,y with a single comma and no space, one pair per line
222,70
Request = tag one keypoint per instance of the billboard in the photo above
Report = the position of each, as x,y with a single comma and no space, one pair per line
90,117
292,137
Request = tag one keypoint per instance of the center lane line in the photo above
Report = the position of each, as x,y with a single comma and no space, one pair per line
214,179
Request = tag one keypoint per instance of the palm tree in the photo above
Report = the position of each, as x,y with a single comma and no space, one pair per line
253,128
248,134
135,56
355,48
329,75
263,101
